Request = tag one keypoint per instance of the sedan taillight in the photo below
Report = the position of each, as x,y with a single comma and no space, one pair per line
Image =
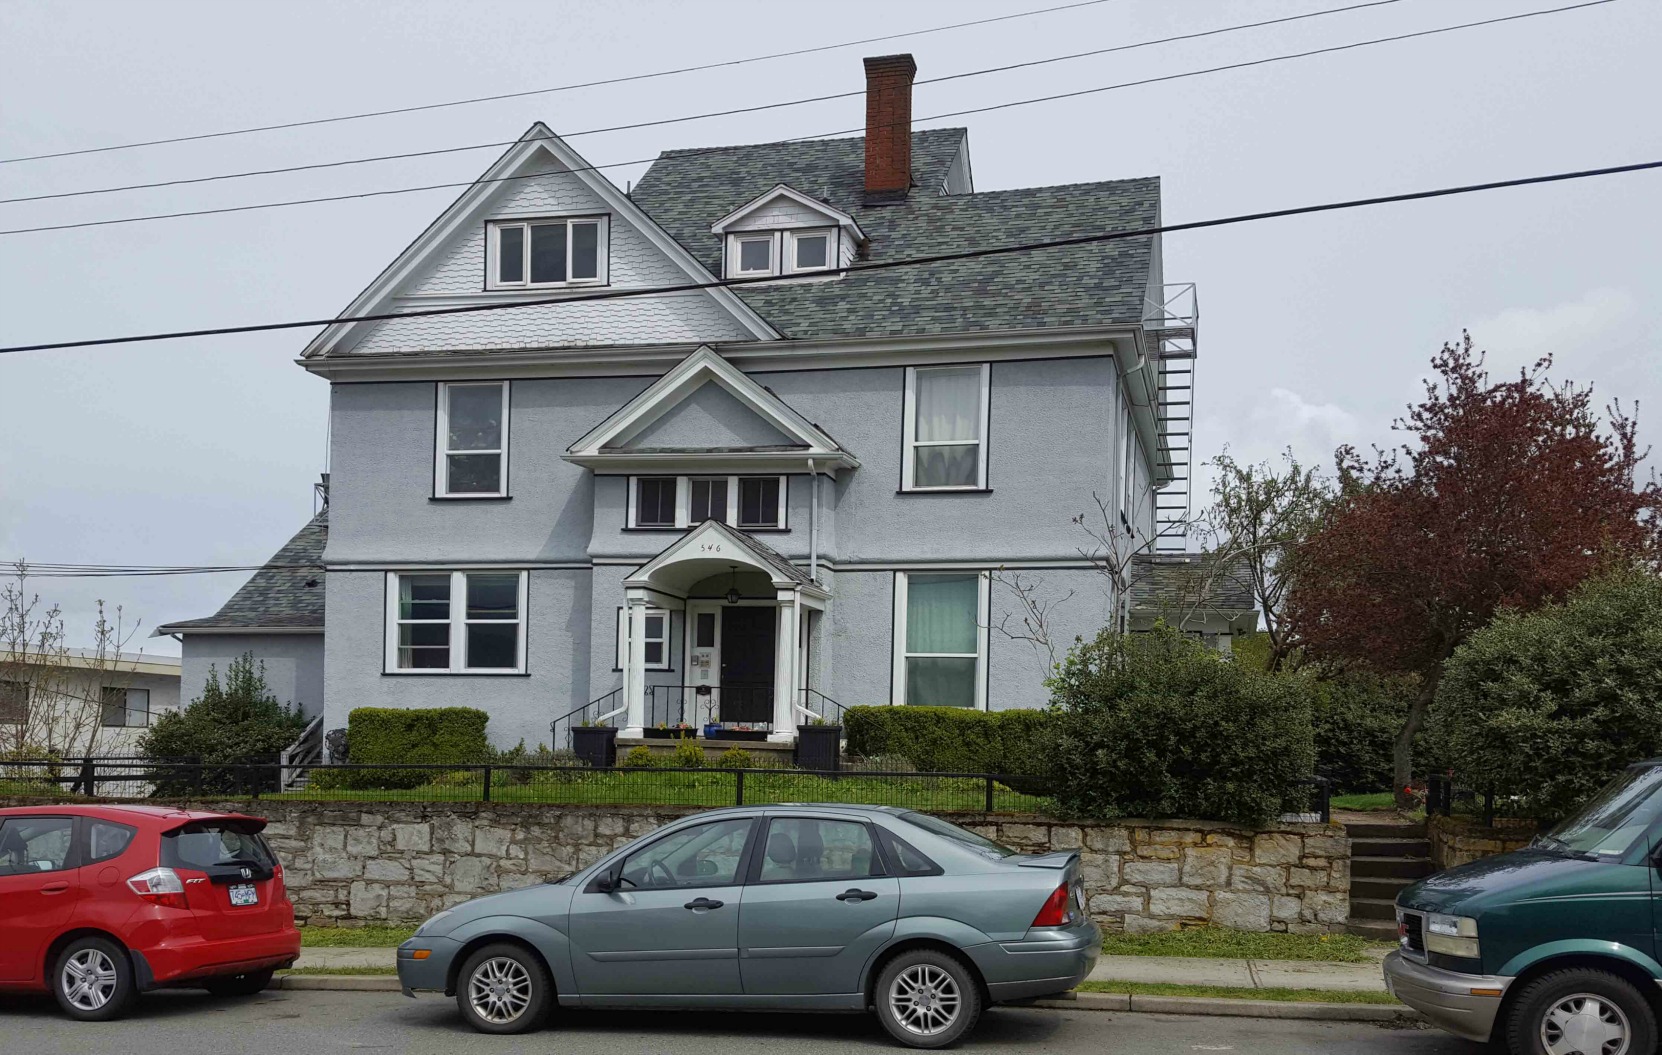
1055,910
160,886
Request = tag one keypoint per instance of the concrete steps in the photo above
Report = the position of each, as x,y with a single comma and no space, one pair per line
1386,856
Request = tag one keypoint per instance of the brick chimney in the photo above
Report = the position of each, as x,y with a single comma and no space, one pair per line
889,126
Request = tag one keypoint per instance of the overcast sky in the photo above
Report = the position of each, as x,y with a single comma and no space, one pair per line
1313,333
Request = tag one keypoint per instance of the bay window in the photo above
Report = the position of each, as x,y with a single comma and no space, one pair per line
940,651
562,251
945,428
456,622
472,447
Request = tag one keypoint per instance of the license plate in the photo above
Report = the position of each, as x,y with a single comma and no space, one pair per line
244,894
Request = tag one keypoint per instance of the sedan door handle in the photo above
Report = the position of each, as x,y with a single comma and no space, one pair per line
703,902
855,894
54,888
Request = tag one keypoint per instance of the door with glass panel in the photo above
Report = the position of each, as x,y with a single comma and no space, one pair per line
940,634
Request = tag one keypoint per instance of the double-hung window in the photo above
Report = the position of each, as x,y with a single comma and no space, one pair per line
749,502
656,622
940,636
945,428
472,458
456,622
537,254
125,708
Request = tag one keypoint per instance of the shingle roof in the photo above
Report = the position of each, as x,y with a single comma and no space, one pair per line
1168,583
687,191
285,594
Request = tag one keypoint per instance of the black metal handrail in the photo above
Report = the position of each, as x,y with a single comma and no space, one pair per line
579,715
728,706
824,706
1441,793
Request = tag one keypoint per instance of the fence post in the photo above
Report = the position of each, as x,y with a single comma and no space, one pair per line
989,780
738,787
1325,788
487,783
1489,808
89,777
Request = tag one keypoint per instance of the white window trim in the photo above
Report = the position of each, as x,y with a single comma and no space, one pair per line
683,501
623,637
782,251
983,619
910,443
457,621
831,247
493,257
441,438
737,270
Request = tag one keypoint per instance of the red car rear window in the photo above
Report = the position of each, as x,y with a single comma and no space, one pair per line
210,844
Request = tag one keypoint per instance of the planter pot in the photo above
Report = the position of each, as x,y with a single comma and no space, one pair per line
668,734
595,745
712,731
741,734
819,747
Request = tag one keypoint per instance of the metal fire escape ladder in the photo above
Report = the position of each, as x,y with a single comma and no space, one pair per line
1171,325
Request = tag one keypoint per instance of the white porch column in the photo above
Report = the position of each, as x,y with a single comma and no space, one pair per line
634,663
785,656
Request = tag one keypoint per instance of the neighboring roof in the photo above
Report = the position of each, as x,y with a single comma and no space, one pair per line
286,594
92,659
1099,284
1189,582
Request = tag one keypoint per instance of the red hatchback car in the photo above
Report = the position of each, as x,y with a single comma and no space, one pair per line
100,903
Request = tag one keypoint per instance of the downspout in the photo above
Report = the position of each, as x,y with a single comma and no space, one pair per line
813,523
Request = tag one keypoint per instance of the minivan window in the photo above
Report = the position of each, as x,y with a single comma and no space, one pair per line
210,844
963,836
1617,816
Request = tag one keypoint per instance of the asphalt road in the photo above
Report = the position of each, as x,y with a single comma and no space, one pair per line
302,1023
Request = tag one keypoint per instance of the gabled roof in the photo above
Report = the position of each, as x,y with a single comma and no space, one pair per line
1164,584
286,595
831,213
538,142
1089,285
695,547
605,445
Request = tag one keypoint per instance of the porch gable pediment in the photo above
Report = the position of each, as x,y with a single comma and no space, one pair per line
713,548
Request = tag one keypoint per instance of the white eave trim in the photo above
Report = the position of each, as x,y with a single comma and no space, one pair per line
626,463
171,629
832,214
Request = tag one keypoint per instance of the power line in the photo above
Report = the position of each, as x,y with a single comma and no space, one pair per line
822,135
559,88
695,117
940,258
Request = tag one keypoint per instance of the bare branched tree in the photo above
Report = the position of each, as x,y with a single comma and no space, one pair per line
1032,616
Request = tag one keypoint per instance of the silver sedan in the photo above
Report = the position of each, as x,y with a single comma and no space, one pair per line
788,907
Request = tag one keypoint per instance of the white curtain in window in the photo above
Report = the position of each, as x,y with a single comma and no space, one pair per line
949,404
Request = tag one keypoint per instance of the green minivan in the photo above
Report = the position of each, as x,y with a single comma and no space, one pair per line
1552,948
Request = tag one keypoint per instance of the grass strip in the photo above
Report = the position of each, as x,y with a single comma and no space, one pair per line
1218,943
1280,995
370,937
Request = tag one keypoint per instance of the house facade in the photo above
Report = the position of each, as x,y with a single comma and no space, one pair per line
82,701
590,482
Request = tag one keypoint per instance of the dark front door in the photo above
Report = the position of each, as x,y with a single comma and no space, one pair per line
747,664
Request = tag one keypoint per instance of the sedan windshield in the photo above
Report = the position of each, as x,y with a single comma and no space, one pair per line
963,836
1608,826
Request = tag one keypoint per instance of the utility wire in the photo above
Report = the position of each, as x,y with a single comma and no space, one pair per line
822,135
694,117
939,258
559,88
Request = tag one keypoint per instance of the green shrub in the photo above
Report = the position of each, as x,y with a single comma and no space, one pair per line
1357,717
1159,725
735,758
639,757
1548,706
689,754
235,723
947,739
390,736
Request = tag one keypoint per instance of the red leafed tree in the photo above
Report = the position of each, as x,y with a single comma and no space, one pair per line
1507,494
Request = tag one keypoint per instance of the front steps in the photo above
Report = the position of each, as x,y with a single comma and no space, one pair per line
1385,857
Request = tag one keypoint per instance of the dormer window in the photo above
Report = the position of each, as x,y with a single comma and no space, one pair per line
547,253
786,232
754,253
810,250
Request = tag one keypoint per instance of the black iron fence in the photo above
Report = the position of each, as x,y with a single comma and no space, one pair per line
1443,797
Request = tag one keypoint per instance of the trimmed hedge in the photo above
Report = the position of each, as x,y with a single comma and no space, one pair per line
947,739
417,736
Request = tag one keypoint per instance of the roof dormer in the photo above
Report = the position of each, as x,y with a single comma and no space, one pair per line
786,232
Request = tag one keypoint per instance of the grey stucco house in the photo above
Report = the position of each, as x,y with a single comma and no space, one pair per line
748,503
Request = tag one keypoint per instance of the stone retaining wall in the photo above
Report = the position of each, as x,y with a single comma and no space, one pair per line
1457,840
384,862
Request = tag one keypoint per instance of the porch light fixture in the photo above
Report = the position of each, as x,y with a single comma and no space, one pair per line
733,594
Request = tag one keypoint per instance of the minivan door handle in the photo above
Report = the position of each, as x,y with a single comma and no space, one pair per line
703,902
856,894
54,888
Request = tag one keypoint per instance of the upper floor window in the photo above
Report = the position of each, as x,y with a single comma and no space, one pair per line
945,428
755,253
530,254
125,708
456,622
472,456
749,502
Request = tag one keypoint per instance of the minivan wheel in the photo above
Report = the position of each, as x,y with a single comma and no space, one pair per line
503,988
927,999
93,980
238,984
1581,1011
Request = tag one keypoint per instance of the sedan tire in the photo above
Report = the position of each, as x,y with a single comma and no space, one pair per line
504,988
93,980
1581,1010
927,999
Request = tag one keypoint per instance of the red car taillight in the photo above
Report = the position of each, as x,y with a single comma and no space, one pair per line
160,886
1055,910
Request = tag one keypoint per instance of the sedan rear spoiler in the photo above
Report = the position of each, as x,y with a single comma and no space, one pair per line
1058,860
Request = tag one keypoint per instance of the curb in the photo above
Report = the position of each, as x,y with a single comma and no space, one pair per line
338,983
1231,1007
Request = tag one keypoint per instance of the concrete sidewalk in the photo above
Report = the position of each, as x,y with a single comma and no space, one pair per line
337,959
1241,974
